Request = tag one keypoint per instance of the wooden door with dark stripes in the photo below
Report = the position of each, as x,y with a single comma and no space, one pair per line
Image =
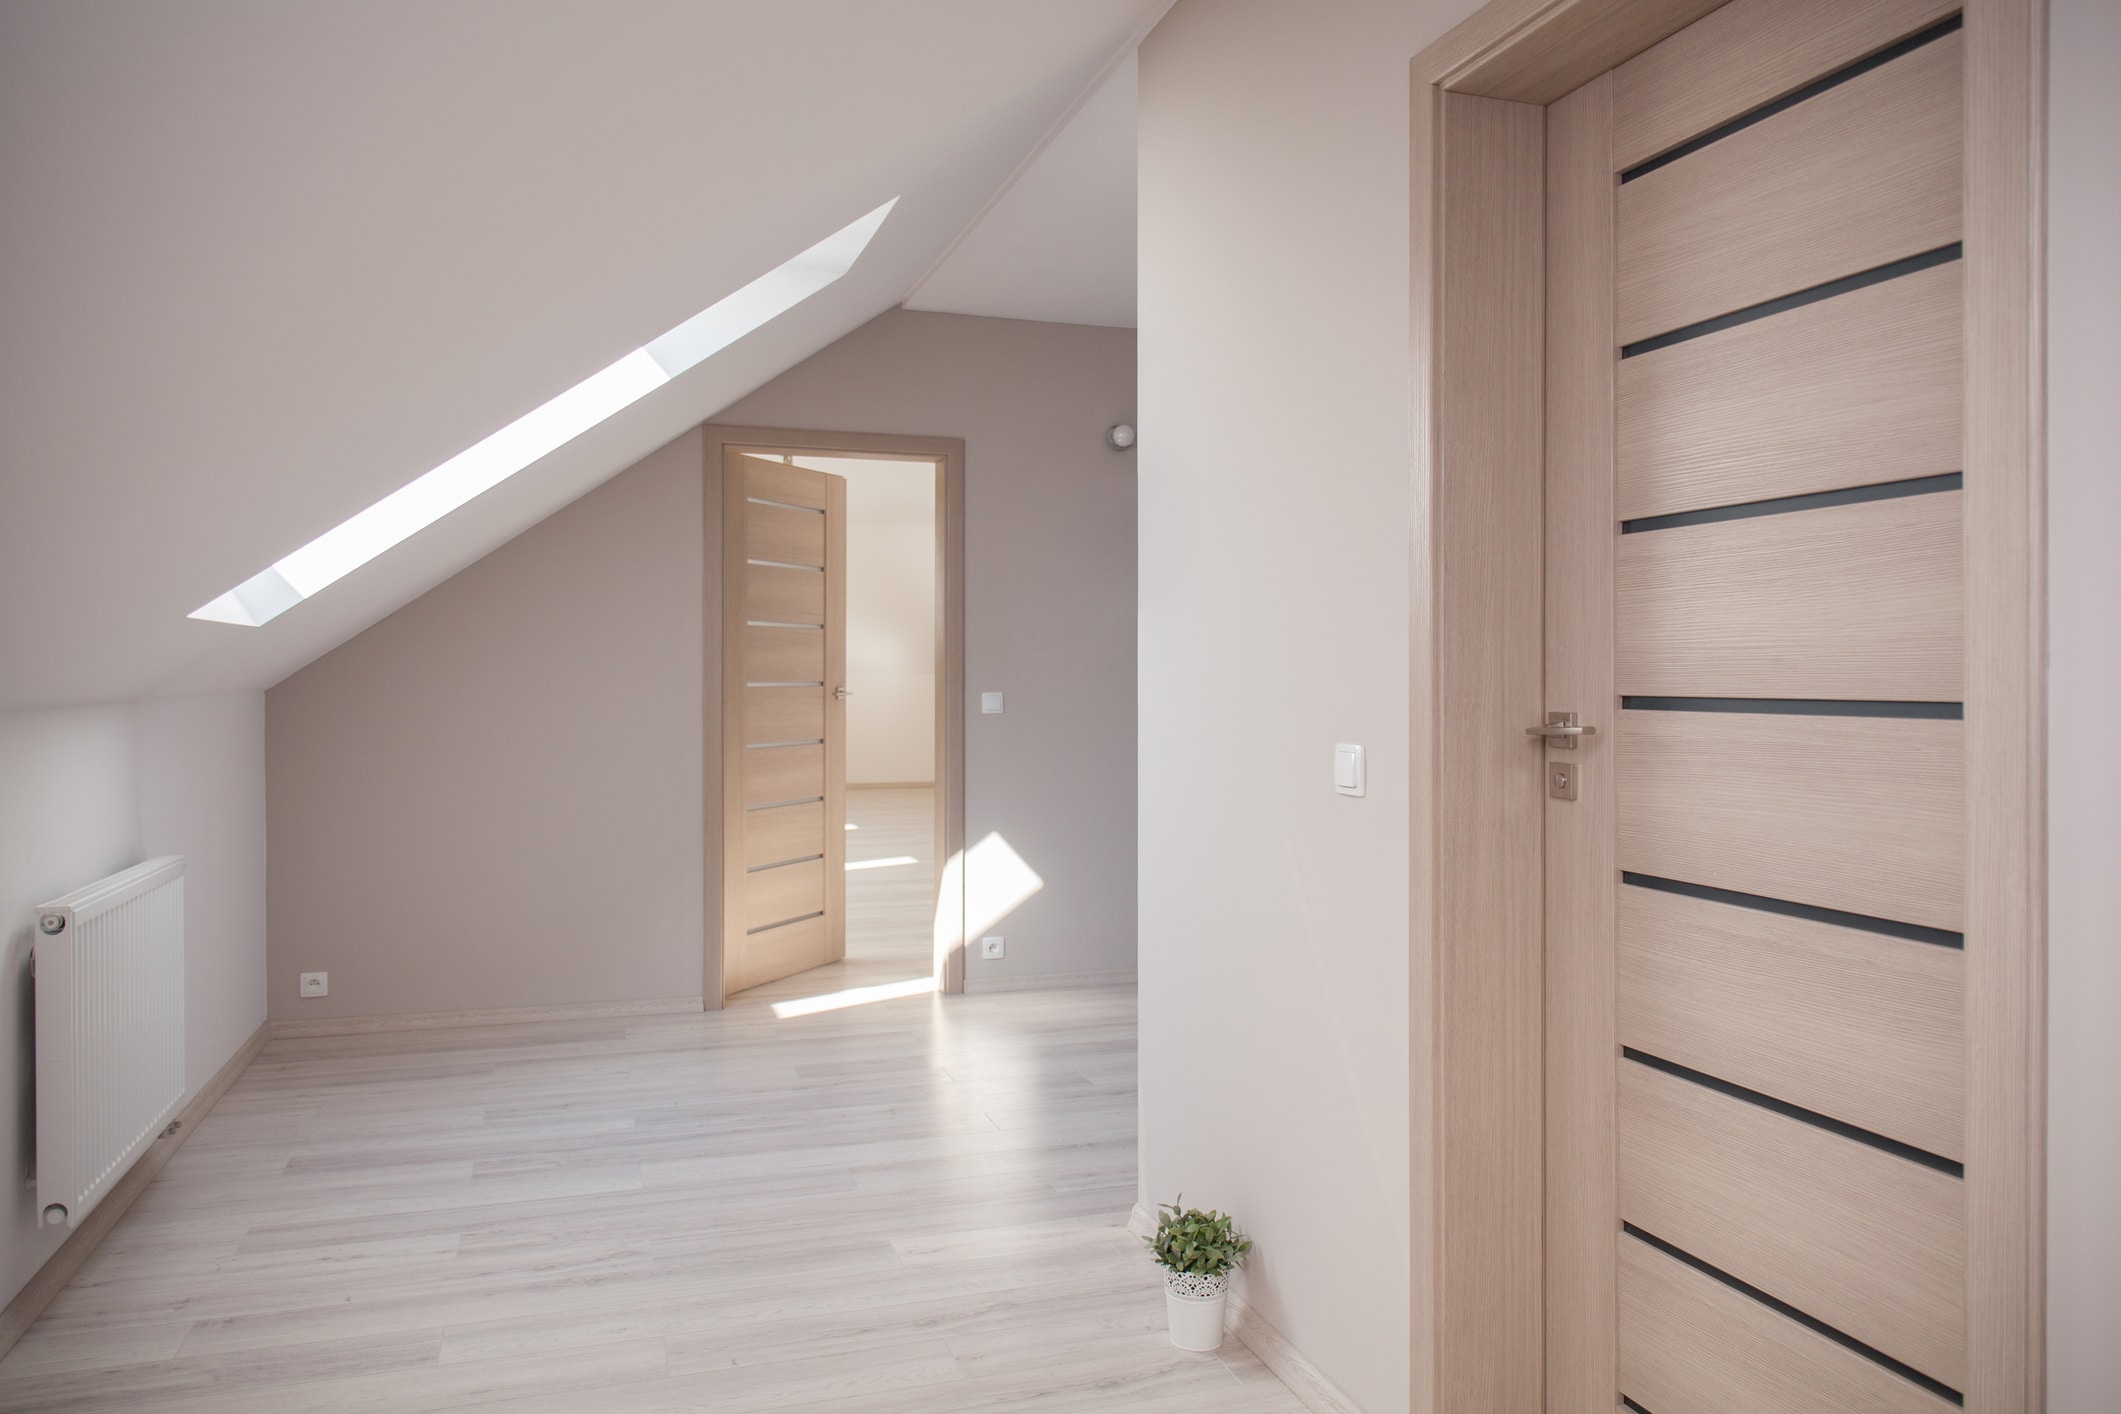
1756,862
784,655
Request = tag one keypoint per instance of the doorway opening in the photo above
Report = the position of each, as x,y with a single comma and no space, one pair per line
839,768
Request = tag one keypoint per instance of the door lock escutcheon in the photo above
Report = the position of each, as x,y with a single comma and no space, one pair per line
1561,780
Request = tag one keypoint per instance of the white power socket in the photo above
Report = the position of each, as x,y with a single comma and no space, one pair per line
990,947
316,984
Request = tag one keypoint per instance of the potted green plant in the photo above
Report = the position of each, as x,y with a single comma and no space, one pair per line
1198,1251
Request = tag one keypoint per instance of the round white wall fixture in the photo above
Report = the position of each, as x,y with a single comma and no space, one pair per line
1121,436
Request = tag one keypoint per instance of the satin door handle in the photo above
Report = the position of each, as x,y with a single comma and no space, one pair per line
843,693
1561,729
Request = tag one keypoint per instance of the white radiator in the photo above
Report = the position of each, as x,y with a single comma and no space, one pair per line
110,1031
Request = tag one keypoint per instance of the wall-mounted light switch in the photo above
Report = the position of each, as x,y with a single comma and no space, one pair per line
1348,770
990,703
316,984
990,947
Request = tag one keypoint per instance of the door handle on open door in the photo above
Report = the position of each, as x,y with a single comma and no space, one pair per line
1560,728
843,693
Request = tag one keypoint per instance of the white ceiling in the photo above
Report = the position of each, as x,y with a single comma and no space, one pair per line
1058,243
266,263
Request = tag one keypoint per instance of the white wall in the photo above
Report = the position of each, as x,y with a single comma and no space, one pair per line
2084,683
85,791
1274,580
890,618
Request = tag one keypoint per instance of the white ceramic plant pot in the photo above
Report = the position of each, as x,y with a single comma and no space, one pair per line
1195,1307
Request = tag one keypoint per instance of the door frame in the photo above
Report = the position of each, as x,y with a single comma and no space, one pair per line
722,695
1479,1014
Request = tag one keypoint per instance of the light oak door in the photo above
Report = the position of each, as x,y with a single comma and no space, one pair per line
1756,844
784,660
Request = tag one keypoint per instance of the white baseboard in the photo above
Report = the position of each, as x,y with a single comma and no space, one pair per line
486,1016
1047,981
1304,1379
21,1313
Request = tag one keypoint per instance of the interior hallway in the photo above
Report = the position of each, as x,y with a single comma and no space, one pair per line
912,1204
890,920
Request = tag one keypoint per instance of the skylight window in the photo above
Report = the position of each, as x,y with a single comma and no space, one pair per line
420,503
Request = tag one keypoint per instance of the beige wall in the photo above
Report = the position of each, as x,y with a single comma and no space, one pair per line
495,797
492,798
1049,593
1274,584
86,791
2084,782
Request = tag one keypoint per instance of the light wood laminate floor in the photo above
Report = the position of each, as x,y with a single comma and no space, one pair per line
907,1205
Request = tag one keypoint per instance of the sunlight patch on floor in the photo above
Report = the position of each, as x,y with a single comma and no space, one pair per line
853,996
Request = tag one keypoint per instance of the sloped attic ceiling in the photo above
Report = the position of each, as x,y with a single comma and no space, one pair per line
262,263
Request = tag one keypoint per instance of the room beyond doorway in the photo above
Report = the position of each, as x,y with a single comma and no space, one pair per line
890,715
840,775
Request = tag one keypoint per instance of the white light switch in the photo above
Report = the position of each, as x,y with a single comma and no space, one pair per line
990,702
1347,769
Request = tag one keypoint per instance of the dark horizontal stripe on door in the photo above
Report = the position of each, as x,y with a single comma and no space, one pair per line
1781,304
1791,100
1787,1110
1863,922
1801,707
1809,1322
1810,501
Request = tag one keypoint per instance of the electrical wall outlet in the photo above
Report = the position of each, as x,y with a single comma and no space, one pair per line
316,984
990,947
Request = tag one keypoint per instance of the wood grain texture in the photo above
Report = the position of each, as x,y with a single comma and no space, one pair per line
1570,43
2006,114
1855,390
784,535
1861,601
789,891
1861,814
1872,1244
1855,1025
783,833
1859,176
1489,962
376,1023
1582,1045
777,774
747,778
782,951
1744,55
779,715
900,1208
778,481
59,1269
784,654
759,723
1692,1345
773,594
835,803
